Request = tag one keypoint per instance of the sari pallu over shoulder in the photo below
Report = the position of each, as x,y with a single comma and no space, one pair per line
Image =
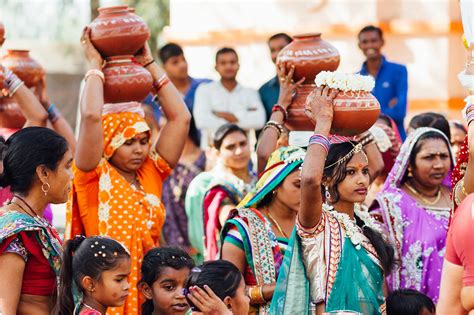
12,223
261,248
418,233
337,264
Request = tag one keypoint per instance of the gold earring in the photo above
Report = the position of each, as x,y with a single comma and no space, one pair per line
410,174
45,190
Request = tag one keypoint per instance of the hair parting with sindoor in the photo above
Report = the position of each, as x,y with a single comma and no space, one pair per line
81,258
336,174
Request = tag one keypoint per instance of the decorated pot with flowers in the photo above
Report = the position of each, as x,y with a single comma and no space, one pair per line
25,67
355,108
310,54
118,31
125,80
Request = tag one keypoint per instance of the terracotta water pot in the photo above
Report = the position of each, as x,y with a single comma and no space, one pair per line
2,34
354,112
25,67
125,80
118,31
310,55
10,114
2,80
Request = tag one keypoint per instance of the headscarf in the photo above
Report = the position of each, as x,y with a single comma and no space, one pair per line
281,162
460,168
121,122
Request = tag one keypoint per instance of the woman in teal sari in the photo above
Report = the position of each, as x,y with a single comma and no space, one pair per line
337,260
256,235
212,195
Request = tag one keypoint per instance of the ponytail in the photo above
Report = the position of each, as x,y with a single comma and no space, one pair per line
66,299
385,251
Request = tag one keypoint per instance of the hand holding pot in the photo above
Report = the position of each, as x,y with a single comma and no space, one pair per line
144,56
287,85
319,104
93,57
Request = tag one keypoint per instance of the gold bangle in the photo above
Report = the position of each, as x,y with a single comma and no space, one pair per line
256,295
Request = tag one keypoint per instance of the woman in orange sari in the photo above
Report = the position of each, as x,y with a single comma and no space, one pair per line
118,174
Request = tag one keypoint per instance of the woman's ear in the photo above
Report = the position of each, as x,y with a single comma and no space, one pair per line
43,173
228,302
326,181
146,290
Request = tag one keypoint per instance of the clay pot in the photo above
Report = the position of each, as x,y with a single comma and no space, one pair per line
125,80
2,34
10,114
118,31
25,67
354,112
310,55
2,80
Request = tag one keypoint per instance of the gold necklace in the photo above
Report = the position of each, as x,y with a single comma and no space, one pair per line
431,203
275,222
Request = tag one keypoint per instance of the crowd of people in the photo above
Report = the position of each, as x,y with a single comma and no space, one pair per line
172,209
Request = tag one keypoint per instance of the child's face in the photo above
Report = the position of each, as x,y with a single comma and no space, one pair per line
112,287
166,292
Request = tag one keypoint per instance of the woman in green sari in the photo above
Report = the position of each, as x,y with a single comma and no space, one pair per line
337,258
256,234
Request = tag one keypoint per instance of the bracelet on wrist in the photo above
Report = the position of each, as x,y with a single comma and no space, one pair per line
160,83
256,295
53,113
95,72
320,140
274,125
148,63
280,108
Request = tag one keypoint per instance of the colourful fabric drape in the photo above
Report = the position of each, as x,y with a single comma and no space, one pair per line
102,202
417,232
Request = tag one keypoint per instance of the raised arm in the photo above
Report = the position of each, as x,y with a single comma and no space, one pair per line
29,105
269,137
89,147
55,118
319,105
173,136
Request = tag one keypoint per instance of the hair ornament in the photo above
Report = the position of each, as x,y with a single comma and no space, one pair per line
355,149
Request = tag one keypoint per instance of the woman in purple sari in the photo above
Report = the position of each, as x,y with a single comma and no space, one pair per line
414,206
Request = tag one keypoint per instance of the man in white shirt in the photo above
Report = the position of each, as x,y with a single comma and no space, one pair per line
226,101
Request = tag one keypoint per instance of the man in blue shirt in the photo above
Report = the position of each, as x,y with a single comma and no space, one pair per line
270,90
176,67
391,82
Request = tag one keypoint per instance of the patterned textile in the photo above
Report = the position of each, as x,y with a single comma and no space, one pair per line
102,202
206,194
13,223
417,232
319,263
260,245
17,247
457,177
175,229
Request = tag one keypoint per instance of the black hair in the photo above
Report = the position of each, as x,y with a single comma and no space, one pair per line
458,125
155,261
337,173
284,36
194,133
226,50
221,276
371,28
417,148
223,131
24,151
168,51
86,257
433,120
408,302
386,120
